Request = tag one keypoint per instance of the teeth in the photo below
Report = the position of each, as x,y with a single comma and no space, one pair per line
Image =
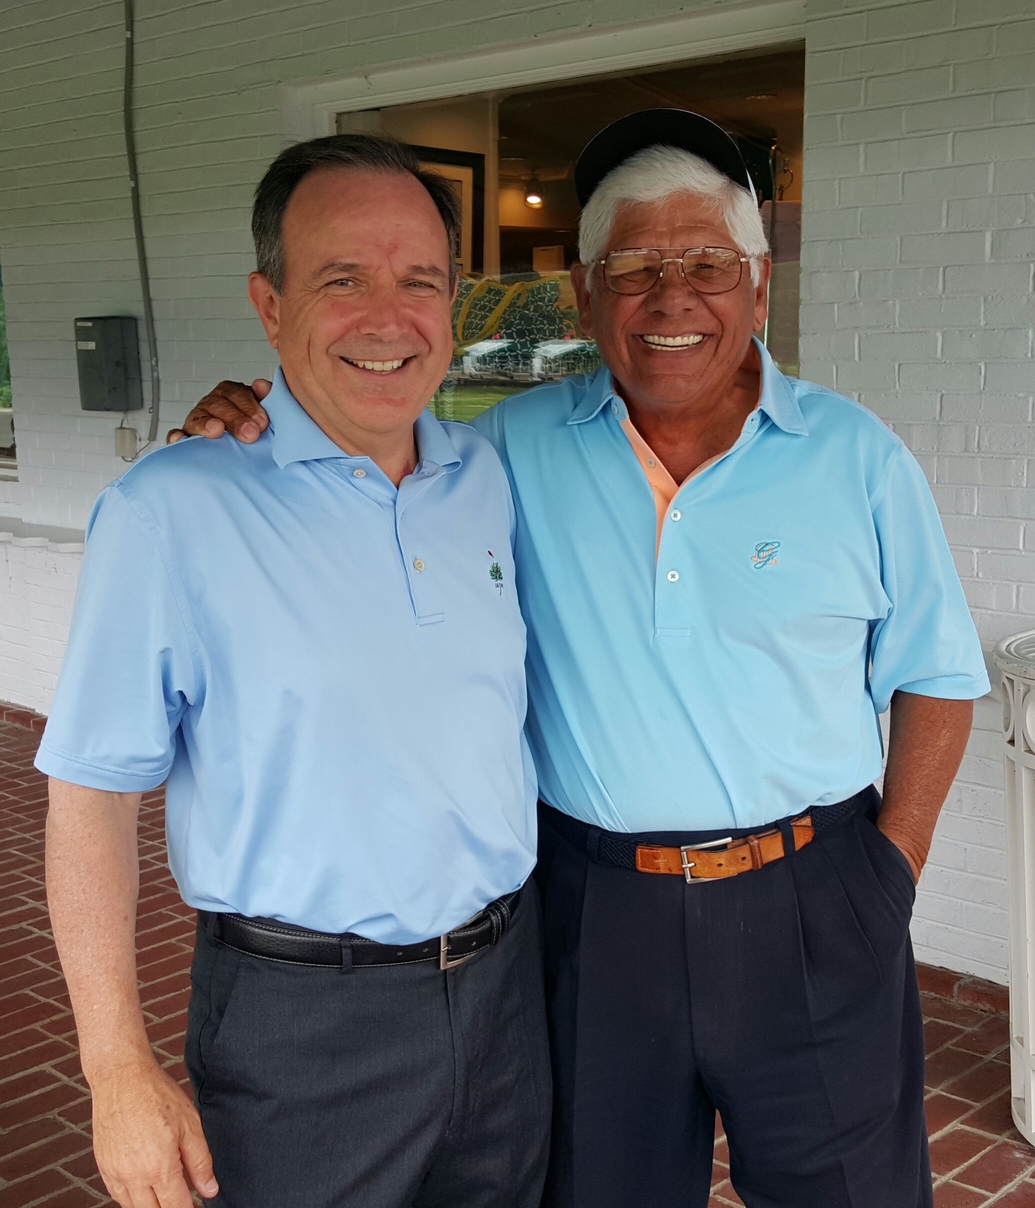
378,366
672,341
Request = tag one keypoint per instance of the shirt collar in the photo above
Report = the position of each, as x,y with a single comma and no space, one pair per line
777,399
297,437
434,444
598,391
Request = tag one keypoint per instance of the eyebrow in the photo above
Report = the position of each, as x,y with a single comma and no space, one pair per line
427,270
352,266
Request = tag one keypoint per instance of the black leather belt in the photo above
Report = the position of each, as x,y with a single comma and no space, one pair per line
280,942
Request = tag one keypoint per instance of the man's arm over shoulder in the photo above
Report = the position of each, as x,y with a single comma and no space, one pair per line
489,424
481,443
532,414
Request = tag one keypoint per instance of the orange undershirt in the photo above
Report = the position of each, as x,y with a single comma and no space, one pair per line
662,484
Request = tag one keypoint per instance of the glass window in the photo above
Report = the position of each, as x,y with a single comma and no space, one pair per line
511,158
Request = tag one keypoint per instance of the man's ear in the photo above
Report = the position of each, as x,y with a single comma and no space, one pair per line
580,284
765,268
266,301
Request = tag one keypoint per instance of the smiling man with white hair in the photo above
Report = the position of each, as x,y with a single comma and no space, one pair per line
727,575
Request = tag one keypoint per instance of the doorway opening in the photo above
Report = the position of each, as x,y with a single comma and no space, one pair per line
511,158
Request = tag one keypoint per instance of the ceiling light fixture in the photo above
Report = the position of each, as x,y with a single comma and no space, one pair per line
533,198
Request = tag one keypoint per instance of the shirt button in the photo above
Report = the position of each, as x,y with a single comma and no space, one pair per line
651,462
676,515
418,564
673,576
359,473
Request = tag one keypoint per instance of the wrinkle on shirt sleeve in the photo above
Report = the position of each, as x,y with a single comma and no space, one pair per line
129,668
927,644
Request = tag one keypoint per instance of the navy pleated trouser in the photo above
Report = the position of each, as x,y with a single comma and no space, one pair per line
783,998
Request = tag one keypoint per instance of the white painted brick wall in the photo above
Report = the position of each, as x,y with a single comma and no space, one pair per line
918,239
37,589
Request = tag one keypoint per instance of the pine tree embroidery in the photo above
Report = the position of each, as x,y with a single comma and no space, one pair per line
495,574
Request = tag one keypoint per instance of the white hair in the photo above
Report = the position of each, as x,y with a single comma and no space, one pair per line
656,173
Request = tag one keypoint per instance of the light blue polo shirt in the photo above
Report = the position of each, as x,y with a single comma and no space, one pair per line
801,580
329,672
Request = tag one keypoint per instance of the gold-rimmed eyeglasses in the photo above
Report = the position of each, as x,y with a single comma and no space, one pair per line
707,270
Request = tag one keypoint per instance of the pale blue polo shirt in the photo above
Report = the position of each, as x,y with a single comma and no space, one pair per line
736,678
329,672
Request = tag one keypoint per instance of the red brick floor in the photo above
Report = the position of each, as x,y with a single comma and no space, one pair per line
45,1155
978,1157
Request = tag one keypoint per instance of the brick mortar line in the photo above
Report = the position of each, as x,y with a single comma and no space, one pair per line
947,1178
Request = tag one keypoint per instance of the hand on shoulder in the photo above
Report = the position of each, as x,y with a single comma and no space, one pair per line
231,407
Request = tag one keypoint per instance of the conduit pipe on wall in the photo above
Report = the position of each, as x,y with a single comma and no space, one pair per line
138,228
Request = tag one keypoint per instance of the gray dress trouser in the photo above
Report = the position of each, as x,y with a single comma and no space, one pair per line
380,1088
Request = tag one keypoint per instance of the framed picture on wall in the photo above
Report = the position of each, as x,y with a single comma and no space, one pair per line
466,171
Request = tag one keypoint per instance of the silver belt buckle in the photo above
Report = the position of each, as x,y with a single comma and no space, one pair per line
445,961
688,864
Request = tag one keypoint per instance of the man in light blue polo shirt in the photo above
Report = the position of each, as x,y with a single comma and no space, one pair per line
315,642
727,576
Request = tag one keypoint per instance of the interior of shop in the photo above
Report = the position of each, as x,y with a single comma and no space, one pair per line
511,157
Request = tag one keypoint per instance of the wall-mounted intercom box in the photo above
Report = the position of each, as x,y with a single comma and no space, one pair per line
108,355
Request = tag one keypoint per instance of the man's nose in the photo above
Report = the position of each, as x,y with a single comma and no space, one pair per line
672,288
382,314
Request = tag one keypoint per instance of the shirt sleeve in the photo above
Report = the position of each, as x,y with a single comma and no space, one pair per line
487,423
129,667
927,643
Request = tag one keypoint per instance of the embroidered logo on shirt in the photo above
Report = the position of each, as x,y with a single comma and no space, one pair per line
495,574
765,554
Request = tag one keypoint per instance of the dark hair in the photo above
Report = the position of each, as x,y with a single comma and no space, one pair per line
370,151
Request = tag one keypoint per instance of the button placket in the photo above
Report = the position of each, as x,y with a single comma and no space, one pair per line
427,605
674,579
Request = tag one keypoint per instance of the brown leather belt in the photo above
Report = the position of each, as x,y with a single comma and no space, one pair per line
723,857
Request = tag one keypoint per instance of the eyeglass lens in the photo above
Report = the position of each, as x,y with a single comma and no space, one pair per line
709,270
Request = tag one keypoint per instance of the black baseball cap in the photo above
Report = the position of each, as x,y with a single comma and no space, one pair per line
658,127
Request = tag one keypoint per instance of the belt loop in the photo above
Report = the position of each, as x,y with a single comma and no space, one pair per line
593,834
788,836
346,954
495,921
